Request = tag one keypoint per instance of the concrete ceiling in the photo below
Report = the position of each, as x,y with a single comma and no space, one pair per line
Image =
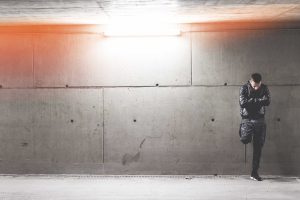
178,11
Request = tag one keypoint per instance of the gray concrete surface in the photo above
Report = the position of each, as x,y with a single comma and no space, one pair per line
94,60
16,60
78,103
180,131
233,55
184,11
86,187
44,129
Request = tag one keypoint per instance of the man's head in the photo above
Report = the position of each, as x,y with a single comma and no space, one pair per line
255,81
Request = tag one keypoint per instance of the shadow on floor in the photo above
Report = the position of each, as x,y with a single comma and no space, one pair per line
282,179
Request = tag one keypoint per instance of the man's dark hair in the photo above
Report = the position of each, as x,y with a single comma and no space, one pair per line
256,77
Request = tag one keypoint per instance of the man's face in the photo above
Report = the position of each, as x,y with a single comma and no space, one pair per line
254,85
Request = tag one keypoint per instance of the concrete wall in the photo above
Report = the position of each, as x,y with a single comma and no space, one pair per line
83,103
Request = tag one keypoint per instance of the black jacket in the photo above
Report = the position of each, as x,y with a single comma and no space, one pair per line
252,103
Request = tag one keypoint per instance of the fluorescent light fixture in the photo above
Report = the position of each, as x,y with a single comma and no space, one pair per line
141,29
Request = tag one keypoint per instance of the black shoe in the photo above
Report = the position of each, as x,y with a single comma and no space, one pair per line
255,176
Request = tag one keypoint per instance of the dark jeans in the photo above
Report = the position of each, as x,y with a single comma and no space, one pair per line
254,130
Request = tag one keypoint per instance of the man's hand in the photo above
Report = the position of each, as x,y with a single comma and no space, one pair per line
253,100
264,101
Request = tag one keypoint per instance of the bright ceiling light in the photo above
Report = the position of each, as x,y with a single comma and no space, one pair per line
141,29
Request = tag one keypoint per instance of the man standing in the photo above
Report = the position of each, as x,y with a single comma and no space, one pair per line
254,96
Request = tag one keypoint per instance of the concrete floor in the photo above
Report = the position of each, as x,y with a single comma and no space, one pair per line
90,187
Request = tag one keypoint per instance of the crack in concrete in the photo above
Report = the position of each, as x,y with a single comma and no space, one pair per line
142,143
127,158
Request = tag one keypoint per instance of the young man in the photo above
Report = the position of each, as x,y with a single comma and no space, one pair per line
254,96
